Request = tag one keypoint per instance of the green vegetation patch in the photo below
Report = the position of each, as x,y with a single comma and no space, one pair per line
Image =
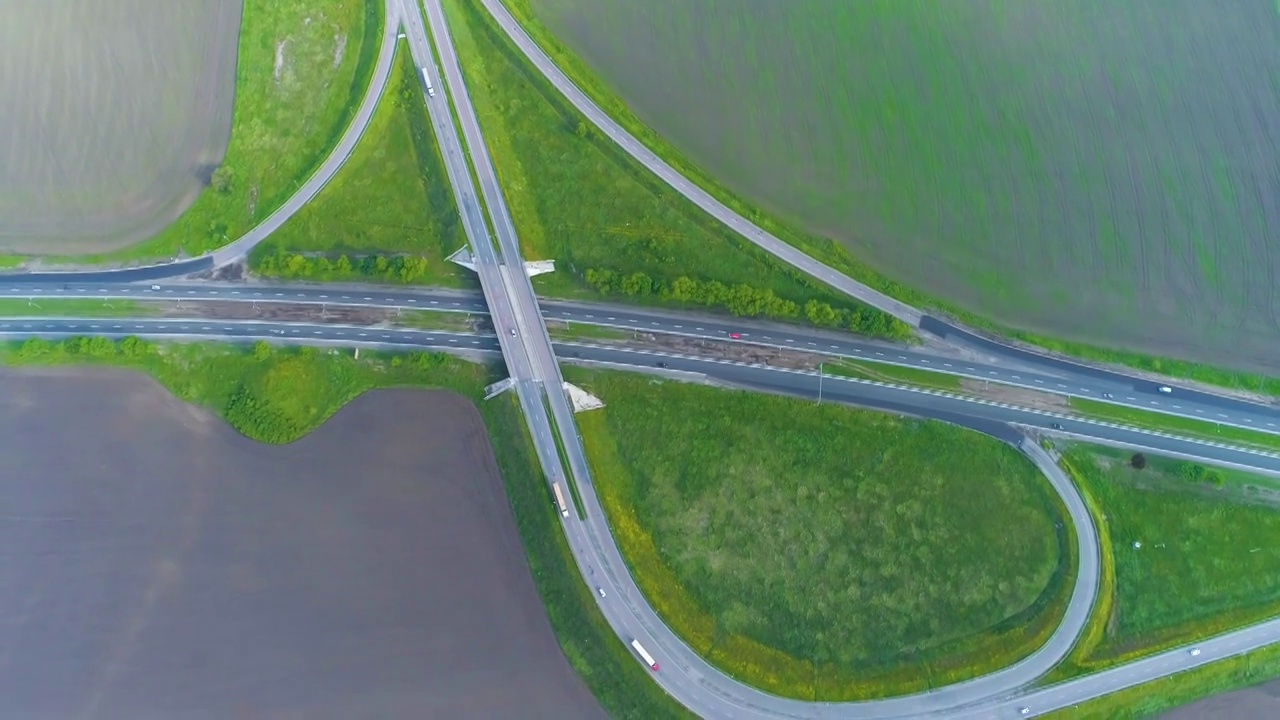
292,391
577,199
388,215
883,372
1184,426
1193,552
301,72
822,552
76,307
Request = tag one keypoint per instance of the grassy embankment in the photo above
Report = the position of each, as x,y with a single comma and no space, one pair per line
388,215
1208,561
831,252
822,552
612,228
278,395
282,129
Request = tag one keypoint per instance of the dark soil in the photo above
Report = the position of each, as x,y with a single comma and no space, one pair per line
156,564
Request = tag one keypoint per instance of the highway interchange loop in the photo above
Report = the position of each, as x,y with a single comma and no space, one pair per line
686,676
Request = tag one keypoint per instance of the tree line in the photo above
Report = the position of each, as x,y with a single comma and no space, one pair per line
747,301
86,347
296,266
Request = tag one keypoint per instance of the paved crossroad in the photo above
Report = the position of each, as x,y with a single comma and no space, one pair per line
998,367
976,700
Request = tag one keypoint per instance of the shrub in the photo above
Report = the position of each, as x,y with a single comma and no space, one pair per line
746,301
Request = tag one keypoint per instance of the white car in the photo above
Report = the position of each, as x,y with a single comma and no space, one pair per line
155,287
1195,652
1165,389
1025,711
601,591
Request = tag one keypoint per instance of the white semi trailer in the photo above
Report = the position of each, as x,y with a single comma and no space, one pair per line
644,655
564,509
431,92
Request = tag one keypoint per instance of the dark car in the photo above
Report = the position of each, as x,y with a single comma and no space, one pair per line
662,364
1056,426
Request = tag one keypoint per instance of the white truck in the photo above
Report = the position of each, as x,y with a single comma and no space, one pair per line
644,655
431,92
564,509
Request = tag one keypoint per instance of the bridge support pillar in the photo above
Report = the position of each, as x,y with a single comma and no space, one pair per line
581,400
532,268
498,388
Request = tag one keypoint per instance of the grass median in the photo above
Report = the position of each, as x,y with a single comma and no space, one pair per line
388,215
1183,426
1188,553
822,552
279,394
301,71
577,199
882,372
76,307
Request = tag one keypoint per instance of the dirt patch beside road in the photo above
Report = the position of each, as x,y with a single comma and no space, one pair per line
329,314
1022,397
370,569
718,350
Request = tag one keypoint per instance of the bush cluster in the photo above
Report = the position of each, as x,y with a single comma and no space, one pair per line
1191,472
85,347
257,418
294,266
746,301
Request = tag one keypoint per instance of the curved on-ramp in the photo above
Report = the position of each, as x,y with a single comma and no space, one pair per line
242,245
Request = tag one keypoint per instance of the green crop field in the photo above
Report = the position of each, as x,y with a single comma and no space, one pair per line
1189,552
576,199
391,199
824,552
301,71
999,157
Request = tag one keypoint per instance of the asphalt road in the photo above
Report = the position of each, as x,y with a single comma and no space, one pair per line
241,247
532,364
690,677
1008,365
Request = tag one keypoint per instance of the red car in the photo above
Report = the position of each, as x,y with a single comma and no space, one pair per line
735,336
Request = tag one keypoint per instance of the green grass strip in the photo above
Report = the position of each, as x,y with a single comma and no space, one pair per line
564,461
1185,426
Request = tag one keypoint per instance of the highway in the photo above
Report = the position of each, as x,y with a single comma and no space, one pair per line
503,311
531,359
969,700
1003,364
